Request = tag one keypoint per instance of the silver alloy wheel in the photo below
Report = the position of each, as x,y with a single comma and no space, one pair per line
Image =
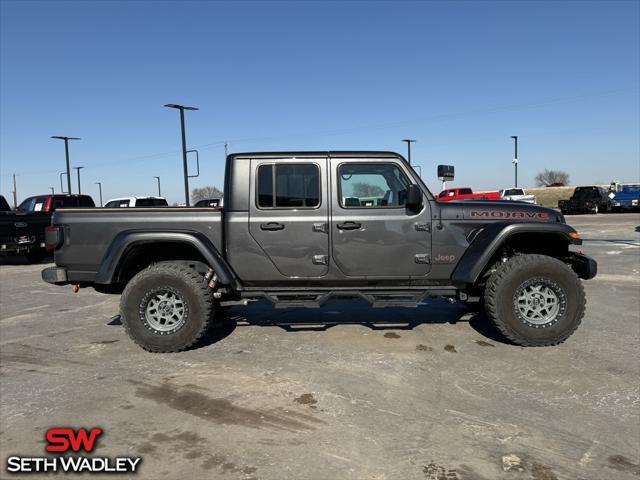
165,311
539,302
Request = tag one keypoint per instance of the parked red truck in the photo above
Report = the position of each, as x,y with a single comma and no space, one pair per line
451,194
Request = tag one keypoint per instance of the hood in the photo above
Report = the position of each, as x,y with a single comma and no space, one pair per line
499,211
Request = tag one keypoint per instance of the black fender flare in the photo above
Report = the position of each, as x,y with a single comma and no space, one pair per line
488,241
124,241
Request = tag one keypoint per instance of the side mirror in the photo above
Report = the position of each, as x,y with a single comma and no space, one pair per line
414,197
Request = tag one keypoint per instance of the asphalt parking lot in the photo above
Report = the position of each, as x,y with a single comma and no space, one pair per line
344,391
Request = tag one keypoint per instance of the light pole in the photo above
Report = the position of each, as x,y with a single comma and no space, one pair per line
52,190
78,169
61,185
409,142
66,154
158,179
182,108
100,188
515,157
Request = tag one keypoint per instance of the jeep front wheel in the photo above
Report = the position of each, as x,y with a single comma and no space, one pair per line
535,300
166,307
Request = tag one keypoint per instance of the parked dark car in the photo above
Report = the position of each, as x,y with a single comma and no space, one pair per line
22,232
290,232
586,200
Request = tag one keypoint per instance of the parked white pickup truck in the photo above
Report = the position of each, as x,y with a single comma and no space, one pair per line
517,194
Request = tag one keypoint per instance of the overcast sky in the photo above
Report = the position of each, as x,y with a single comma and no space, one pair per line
459,77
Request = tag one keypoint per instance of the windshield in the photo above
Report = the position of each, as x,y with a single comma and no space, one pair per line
631,189
513,191
32,204
211,202
585,192
151,202
71,202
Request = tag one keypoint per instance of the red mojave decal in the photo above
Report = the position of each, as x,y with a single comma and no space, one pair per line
509,215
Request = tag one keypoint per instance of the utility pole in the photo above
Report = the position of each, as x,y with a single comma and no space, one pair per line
226,152
78,169
409,142
159,192
100,188
515,158
182,108
15,193
52,190
66,154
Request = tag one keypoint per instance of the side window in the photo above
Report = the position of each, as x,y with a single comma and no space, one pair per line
39,204
27,205
376,185
111,204
288,185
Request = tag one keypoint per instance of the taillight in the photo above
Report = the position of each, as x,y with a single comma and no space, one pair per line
52,237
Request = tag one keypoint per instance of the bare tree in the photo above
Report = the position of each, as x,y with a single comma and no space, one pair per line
205,192
362,189
548,177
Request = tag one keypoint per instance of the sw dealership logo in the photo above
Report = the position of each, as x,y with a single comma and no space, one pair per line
67,441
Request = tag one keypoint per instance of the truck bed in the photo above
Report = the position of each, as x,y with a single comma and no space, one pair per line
84,248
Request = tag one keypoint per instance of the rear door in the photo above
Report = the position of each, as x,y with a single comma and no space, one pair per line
373,233
288,216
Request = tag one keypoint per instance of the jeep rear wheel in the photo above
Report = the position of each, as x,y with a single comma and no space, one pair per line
167,307
535,300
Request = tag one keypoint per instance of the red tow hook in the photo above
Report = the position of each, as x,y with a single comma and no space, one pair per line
75,287
211,278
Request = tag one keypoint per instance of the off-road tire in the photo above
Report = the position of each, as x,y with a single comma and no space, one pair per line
501,307
183,281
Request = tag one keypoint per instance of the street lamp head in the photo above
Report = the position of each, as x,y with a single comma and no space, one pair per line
180,107
408,140
59,137
77,168
514,136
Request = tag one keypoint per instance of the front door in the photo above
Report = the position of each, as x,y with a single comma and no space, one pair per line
373,233
288,217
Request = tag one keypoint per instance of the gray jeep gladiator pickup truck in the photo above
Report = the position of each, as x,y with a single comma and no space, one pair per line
301,228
